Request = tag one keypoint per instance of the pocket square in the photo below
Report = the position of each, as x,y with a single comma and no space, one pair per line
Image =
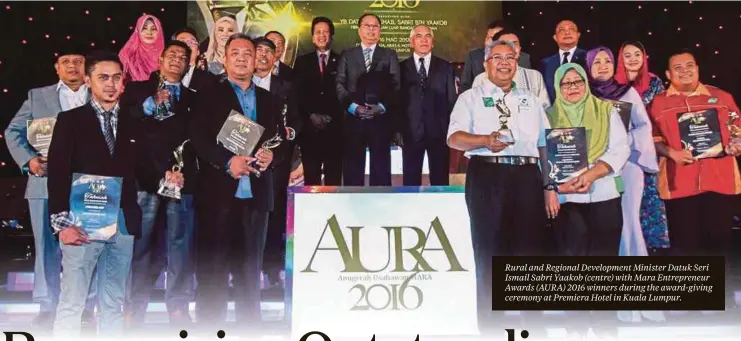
132,141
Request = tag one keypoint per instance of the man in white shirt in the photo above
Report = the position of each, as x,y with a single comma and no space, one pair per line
505,191
567,38
45,103
525,78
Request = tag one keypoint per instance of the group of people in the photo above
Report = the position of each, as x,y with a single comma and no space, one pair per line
643,188
124,115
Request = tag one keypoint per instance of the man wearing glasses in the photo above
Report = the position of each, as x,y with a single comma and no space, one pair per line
163,104
196,77
368,83
501,129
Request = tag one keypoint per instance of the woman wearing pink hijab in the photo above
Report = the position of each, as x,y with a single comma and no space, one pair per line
141,53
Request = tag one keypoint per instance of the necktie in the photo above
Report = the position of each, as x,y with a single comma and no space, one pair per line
275,69
422,72
174,91
367,55
565,58
110,140
322,63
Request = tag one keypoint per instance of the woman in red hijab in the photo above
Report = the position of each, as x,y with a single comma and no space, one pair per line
141,53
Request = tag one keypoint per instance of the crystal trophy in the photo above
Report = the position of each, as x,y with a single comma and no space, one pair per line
168,188
164,110
734,129
272,142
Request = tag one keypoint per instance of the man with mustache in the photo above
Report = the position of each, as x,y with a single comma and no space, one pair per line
42,103
234,203
428,88
368,80
281,69
699,193
567,38
145,101
284,90
506,192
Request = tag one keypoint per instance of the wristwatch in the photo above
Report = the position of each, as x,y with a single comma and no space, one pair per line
551,187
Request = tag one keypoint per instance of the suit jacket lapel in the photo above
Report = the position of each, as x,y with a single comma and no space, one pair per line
377,56
262,109
51,97
434,66
93,126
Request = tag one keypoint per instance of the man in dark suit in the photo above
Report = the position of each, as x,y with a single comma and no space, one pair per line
368,83
147,102
428,96
322,114
567,37
281,69
97,139
234,202
474,64
284,91
196,77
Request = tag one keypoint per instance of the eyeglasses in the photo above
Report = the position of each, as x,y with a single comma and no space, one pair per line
498,58
172,58
370,27
577,84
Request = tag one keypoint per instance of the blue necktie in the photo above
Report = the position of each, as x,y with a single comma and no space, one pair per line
174,91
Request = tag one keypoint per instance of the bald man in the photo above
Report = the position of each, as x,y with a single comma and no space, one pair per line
428,96
567,38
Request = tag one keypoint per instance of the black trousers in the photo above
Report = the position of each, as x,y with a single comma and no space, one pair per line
589,229
321,153
230,239
375,134
700,225
438,160
507,214
592,229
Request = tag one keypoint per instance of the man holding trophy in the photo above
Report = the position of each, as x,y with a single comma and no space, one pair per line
699,179
237,129
163,104
502,130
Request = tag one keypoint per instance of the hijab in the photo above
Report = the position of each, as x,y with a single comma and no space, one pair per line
139,58
643,80
590,112
609,89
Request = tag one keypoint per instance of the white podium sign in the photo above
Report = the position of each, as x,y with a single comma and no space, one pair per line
383,261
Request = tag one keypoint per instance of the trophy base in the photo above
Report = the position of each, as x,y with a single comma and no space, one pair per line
170,191
505,136
164,116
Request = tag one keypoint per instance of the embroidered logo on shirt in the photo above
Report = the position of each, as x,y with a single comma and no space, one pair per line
488,102
524,103
713,100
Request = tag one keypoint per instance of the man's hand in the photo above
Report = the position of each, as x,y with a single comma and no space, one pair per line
175,177
297,176
37,166
264,158
583,183
552,206
318,121
74,235
733,149
375,109
364,112
568,187
239,166
681,157
161,96
397,139
493,143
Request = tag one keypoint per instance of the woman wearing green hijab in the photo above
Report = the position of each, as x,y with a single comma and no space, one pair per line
590,221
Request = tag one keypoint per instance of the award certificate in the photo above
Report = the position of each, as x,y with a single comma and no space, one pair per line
39,132
239,134
95,202
567,153
699,133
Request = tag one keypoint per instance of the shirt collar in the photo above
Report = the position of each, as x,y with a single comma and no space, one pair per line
426,58
236,86
62,85
700,90
489,86
570,51
326,53
99,108
372,47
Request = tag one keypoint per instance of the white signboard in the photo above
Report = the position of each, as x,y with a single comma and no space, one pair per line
394,263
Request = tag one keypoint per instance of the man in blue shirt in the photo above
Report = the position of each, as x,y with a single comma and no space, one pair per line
232,202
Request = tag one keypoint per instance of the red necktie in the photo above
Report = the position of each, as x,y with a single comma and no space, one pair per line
322,58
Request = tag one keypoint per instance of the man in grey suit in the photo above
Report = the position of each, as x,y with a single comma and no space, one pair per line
474,64
45,102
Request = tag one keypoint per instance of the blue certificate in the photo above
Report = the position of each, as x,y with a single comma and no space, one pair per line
95,202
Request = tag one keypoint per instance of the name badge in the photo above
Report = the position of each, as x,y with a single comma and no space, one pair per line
488,102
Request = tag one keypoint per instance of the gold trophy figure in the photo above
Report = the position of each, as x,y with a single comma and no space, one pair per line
734,129
505,134
170,189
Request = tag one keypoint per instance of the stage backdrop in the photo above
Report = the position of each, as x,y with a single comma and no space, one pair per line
378,260
458,25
